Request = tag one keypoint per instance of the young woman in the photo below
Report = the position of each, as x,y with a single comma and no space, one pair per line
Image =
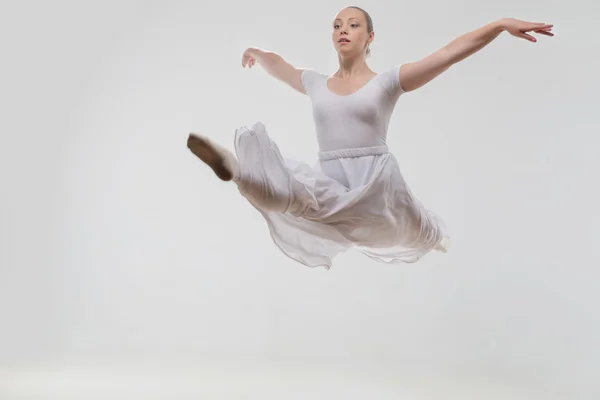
355,196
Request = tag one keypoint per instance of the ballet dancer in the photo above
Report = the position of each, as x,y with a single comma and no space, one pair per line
355,196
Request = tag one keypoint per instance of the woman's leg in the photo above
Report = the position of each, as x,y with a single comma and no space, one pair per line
268,192
222,161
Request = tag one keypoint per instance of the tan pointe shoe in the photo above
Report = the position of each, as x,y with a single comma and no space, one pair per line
221,160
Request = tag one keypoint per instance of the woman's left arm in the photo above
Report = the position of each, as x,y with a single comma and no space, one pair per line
416,74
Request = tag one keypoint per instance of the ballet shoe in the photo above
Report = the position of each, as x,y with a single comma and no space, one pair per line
221,160
444,245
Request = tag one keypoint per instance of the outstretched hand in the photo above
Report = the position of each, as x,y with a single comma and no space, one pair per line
520,28
248,59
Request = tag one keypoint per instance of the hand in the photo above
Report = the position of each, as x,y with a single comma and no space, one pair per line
248,59
519,28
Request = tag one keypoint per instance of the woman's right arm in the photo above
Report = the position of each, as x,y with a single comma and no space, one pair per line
275,66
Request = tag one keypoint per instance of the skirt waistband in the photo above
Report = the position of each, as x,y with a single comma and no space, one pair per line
355,152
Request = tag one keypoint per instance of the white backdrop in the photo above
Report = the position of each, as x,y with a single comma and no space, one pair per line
126,263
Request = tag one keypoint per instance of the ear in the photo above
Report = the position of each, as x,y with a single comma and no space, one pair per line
371,38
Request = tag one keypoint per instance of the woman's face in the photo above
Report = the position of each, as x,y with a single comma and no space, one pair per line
350,35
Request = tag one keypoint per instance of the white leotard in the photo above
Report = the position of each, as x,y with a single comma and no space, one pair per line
357,120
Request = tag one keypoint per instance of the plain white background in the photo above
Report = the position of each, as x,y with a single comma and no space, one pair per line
128,268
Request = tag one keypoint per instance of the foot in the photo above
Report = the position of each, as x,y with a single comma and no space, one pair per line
443,245
221,161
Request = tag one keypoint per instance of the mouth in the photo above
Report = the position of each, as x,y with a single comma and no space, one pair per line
343,41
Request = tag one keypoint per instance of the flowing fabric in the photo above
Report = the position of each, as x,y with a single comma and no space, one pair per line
352,198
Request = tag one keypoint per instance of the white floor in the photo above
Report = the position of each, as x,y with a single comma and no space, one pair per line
177,380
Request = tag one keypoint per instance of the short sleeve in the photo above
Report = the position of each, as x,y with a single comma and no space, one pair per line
309,77
391,81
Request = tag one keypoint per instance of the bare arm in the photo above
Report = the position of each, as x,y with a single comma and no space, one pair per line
275,66
416,74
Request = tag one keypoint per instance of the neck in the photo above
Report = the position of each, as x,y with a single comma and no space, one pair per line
350,67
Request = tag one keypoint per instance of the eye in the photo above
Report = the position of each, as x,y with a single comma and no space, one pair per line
354,25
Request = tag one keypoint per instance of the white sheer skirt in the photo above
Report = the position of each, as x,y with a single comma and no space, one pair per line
351,199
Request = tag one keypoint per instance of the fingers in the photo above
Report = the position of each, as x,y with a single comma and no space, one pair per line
547,33
539,27
528,37
248,61
544,31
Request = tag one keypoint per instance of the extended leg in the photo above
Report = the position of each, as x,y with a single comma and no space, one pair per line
222,161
